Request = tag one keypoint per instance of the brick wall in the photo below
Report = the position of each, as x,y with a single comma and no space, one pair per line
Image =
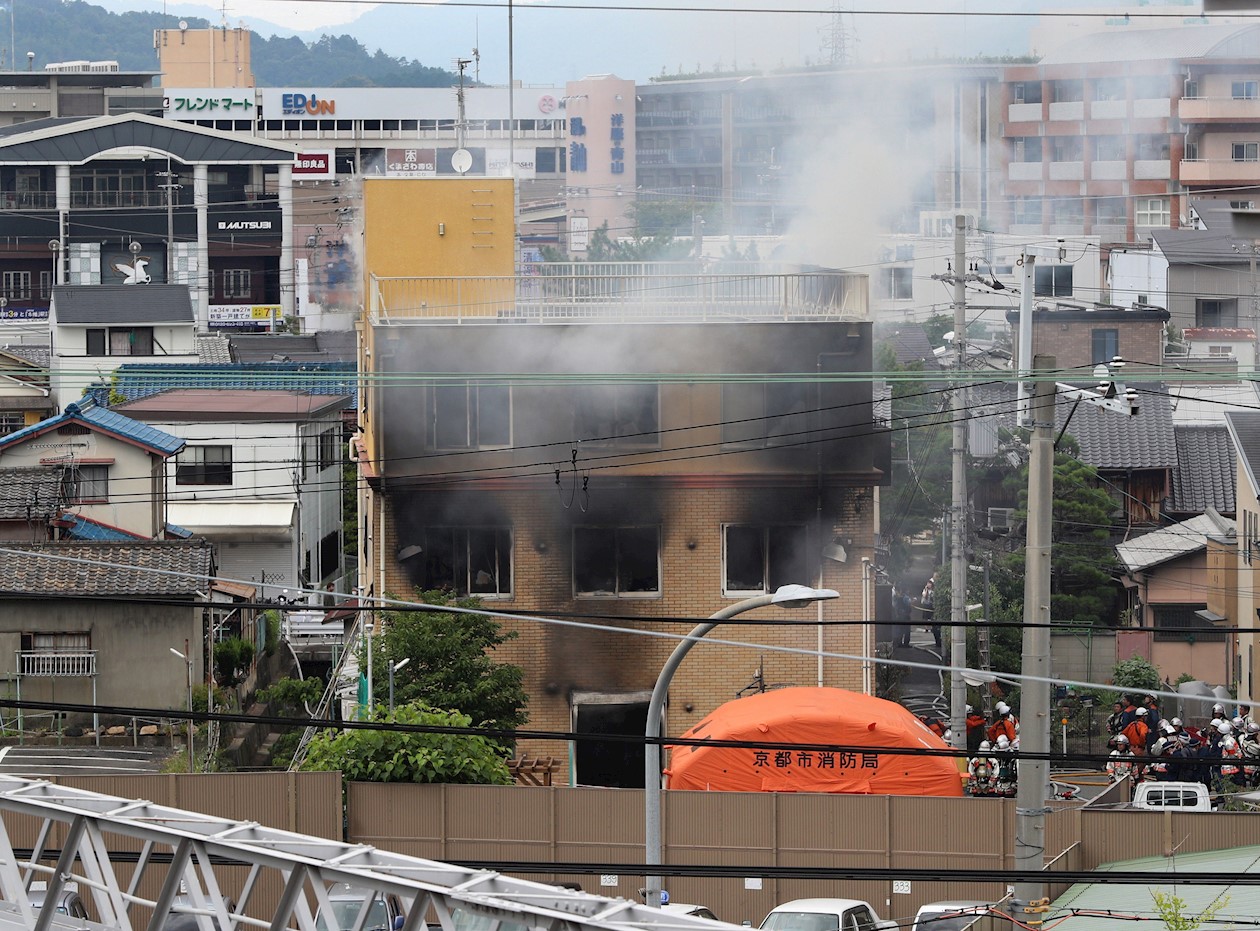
1068,336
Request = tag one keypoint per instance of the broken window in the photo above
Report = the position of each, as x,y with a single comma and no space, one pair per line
618,415
616,561
767,413
467,560
471,416
757,559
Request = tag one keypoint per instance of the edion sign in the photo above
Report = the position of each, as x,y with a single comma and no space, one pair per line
315,164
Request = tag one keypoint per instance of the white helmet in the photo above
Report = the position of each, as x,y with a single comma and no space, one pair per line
948,735
1121,740
1167,728
1238,723
1002,708
1224,728
985,747
1229,743
1141,712
1002,742
1176,722
1253,727
1218,710
968,709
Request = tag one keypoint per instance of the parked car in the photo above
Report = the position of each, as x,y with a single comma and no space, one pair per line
948,916
825,915
1183,796
177,920
68,902
385,913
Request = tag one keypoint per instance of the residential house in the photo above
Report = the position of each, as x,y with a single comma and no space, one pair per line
1171,624
260,476
1082,336
1244,430
25,396
95,328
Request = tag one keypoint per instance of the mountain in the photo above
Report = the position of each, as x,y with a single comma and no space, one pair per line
71,30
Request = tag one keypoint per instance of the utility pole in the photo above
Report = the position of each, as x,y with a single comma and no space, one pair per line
958,509
1034,734
170,186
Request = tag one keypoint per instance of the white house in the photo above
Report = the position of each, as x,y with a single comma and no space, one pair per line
260,477
96,328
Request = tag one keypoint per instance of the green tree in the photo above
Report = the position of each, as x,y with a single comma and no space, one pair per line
410,756
1135,673
1173,912
290,698
451,666
233,658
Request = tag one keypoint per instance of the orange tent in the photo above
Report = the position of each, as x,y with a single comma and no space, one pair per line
819,717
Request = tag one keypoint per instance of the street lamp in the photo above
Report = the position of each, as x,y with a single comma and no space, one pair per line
787,596
188,667
393,668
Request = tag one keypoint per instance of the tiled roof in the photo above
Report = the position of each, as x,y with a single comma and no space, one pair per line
330,378
1244,430
213,349
325,346
1169,543
1110,440
911,344
40,356
122,303
1207,474
150,568
104,420
28,493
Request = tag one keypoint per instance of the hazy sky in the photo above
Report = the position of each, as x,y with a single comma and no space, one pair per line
555,45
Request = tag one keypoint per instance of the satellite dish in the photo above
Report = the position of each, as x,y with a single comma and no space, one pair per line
461,160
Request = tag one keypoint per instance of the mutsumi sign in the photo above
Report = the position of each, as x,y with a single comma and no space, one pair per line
230,225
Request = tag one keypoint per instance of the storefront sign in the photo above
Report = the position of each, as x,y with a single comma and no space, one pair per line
197,103
257,316
23,313
497,161
307,105
236,225
314,165
410,163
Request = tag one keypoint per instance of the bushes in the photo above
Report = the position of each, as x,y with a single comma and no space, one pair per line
232,661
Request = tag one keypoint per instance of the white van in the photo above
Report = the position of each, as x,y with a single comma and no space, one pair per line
1182,796
949,916
825,915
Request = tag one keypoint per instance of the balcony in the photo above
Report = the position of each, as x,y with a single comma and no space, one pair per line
624,292
1108,110
1218,171
1109,170
1152,108
1024,171
1068,110
1067,171
1024,113
1218,109
1152,169
49,664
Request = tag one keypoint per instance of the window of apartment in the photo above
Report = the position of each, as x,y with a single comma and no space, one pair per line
63,653
1026,149
1180,622
1151,149
1191,150
1111,211
1105,345
1152,211
1110,148
766,413
1026,92
1068,91
1066,148
1216,312
204,465
758,559
468,560
1245,151
471,416
620,561
1109,89
120,341
11,422
898,283
45,285
236,283
1053,280
1243,90
1191,90
330,554
17,286
1027,211
1067,211
1151,87
1220,351
1242,205
618,415
85,484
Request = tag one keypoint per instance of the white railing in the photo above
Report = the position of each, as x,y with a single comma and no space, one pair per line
56,663
622,292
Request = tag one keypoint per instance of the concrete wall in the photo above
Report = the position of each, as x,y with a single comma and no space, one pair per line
1088,656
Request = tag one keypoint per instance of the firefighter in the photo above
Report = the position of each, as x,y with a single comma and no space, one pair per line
1138,732
976,727
1005,725
1007,776
1120,760
981,770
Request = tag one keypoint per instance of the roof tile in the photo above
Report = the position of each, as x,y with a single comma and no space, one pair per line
166,567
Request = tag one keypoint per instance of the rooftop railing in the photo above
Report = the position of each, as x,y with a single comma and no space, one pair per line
622,292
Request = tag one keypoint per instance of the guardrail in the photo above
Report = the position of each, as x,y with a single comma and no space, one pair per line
52,663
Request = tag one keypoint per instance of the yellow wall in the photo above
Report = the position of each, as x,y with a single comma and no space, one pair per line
205,57
438,227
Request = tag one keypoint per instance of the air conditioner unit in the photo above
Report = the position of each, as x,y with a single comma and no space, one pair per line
1000,519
